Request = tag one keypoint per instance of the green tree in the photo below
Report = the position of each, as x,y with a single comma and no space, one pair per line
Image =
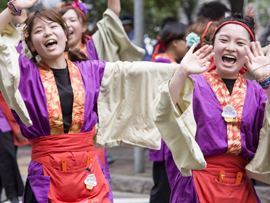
3,4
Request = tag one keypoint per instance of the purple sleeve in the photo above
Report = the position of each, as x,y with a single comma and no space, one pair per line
162,60
92,73
91,50
252,118
33,94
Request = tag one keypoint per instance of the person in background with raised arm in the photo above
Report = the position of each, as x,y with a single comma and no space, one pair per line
172,37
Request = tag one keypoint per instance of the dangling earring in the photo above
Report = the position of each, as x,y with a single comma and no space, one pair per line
38,58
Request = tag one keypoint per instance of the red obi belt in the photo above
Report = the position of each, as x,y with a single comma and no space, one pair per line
66,158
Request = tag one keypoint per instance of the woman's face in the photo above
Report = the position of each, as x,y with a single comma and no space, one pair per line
229,50
181,48
48,39
75,27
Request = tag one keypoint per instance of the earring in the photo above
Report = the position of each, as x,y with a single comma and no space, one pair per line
38,58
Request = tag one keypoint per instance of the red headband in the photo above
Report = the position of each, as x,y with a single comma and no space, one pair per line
236,22
78,10
204,33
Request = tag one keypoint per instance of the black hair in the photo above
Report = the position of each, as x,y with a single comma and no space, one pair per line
213,10
247,20
167,21
172,31
51,15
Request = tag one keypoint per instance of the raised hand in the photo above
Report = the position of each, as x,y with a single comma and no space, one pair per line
257,63
24,4
251,11
198,62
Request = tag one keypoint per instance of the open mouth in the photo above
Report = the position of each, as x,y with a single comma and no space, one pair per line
229,59
50,43
70,32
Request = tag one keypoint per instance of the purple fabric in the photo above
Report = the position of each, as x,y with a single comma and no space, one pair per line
33,94
110,194
91,50
159,155
211,133
19,48
4,125
107,164
92,73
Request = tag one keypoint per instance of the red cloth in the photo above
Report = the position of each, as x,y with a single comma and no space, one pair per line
69,186
18,138
209,190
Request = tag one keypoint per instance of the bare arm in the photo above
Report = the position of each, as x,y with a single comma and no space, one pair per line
6,16
192,63
22,18
115,6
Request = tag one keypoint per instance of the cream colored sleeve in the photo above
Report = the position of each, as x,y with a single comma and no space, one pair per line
126,93
259,167
178,127
10,72
112,43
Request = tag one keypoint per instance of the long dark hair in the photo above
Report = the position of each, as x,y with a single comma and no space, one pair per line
51,15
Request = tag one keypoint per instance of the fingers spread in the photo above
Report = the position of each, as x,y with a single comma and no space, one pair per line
247,62
207,58
254,49
259,48
249,53
268,51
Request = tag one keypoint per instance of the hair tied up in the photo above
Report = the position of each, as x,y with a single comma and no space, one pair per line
238,15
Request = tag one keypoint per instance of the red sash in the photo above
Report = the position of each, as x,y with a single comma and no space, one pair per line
210,190
67,182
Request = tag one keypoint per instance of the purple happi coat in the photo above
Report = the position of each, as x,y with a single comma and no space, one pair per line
211,133
33,94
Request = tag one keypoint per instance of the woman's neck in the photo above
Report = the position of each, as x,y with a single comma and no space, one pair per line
227,75
59,63
171,53
76,46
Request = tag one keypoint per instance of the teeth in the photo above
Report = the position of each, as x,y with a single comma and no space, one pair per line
50,41
229,56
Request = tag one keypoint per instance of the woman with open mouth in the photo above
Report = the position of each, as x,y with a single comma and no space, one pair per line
215,122
60,102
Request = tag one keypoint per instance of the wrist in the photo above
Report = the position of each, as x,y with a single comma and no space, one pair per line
14,8
181,71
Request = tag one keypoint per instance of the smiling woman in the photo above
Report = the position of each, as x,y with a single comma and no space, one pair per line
63,98
217,119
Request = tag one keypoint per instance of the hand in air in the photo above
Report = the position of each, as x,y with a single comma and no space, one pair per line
257,63
24,4
197,62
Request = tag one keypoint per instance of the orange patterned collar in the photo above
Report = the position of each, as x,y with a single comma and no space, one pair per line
166,56
82,48
53,100
236,100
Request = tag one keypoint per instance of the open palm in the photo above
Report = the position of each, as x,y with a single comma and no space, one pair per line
257,63
197,62
24,4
